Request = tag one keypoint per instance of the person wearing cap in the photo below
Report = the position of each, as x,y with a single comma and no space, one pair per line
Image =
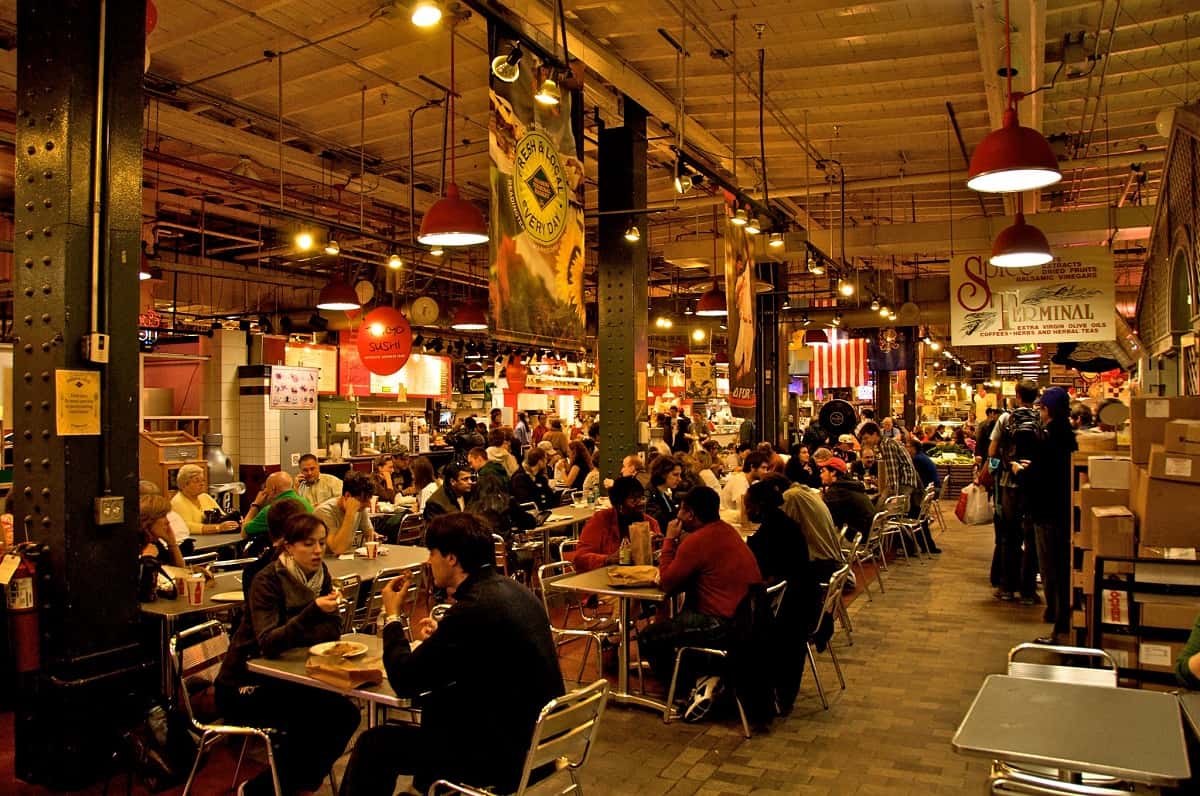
1048,479
846,499
897,476
845,448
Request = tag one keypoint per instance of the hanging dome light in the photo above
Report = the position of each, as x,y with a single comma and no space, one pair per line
303,240
837,319
453,221
332,248
469,317
683,183
426,13
874,305
632,233
395,262
883,310
548,93
1013,158
753,226
775,241
816,337
846,287
815,266
1020,246
507,68
740,218
337,295
712,303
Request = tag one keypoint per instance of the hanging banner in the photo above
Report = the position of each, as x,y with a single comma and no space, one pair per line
739,299
1071,299
889,351
699,382
537,246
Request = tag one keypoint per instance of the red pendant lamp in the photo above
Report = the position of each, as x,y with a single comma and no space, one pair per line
452,221
469,317
1013,158
712,303
1020,246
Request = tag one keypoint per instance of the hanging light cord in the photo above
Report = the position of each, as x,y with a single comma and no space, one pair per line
450,106
762,145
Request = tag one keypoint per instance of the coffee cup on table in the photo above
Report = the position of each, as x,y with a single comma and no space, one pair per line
372,549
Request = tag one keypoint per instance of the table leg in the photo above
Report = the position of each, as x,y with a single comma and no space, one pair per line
622,695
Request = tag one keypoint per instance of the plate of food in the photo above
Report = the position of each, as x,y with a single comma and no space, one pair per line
228,597
339,649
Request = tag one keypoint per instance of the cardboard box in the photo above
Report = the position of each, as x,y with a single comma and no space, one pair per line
1182,436
1112,531
1167,513
1149,416
1170,574
1123,649
1139,478
1173,553
1159,656
1175,615
1183,467
1109,472
1090,497
1096,441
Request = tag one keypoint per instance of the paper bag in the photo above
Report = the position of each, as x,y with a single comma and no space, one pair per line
345,672
639,543
631,577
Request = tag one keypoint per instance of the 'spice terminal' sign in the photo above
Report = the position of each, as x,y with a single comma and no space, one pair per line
1070,299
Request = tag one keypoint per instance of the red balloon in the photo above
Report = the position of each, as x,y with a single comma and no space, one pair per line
151,16
384,341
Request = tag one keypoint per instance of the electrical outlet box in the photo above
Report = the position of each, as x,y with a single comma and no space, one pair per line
110,510
95,347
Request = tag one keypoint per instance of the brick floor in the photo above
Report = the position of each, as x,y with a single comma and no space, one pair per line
920,653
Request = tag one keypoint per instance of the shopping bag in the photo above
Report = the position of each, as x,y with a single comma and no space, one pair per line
979,506
960,508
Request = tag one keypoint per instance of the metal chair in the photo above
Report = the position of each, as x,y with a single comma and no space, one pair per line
562,740
851,554
774,594
200,559
230,563
1004,778
937,506
349,585
871,548
411,529
196,654
896,509
562,601
368,612
833,595
912,527
1060,668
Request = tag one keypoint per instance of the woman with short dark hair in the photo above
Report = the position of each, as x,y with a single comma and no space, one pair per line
661,504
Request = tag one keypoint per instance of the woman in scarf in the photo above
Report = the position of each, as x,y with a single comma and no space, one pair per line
292,604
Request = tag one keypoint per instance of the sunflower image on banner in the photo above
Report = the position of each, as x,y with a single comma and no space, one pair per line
739,299
537,249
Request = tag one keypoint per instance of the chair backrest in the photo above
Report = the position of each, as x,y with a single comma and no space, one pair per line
565,730
1054,663
411,530
200,559
349,586
501,549
774,595
833,593
230,563
567,546
878,522
374,603
196,655
556,601
896,506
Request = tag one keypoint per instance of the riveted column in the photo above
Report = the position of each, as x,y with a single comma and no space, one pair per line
623,286
87,573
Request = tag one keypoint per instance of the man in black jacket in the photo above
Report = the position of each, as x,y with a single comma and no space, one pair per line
451,496
846,499
482,674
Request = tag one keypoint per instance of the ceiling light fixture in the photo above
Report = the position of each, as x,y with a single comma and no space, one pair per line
469,317
1020,246
1013,158
507,68
753,226
426,13
698,335
815,267
394,262
436,251
837,319
337,295
712,303
891,316
452,221
683,183
884,311
548,93
303,241
332,248
805,320
775,240
632,233
740,219
846,287
874,305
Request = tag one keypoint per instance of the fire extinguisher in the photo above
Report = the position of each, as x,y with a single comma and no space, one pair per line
23,613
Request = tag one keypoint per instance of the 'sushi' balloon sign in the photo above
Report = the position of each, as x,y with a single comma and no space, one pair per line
384,341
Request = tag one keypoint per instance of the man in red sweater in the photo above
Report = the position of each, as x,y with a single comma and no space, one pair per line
716,569
601,537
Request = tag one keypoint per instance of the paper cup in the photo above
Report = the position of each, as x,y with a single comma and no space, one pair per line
194,584
372,549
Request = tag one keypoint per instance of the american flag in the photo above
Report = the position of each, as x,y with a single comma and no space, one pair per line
842,363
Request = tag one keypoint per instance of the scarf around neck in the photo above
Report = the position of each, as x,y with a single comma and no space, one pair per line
314,582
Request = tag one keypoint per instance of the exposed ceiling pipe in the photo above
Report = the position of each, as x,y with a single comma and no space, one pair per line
207,232
936,312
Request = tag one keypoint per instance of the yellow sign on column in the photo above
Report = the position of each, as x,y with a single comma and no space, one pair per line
77,410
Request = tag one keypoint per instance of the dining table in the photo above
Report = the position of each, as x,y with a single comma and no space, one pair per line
396,555
1189,703
380,698
562,518
1075,729
596,582
207,542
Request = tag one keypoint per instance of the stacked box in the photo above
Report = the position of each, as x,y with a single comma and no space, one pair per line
1148,421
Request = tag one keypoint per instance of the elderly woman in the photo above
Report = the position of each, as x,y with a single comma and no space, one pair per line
192,501
157,538
292,604
384,480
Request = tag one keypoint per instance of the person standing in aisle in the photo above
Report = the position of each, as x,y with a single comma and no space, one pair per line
1014,439
1047,477
985,480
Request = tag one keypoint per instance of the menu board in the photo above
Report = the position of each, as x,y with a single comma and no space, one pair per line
322,357
293,388
423,376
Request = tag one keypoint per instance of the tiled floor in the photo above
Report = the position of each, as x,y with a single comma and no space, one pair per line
920,653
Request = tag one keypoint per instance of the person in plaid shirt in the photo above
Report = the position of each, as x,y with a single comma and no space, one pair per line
897,476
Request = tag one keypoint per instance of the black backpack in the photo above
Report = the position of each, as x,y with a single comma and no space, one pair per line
1020,437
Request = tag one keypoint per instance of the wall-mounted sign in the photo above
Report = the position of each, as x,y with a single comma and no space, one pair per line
294,388
698,369
384,341
77,402
311,355
1070,299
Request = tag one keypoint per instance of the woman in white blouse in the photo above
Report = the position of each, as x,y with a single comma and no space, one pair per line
192,501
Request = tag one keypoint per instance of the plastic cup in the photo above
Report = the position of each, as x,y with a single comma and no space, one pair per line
372,549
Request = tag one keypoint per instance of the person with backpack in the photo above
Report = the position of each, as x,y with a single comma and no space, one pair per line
1015,439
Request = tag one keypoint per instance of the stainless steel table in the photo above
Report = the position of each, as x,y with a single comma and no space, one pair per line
1121,732
561,517
205,542
403,556
596,582
290,666
1189,702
